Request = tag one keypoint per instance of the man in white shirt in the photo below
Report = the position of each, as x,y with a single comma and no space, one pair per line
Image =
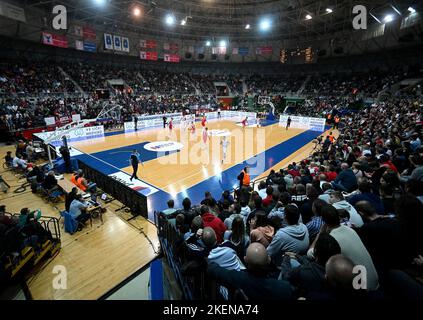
18,162
351,245
224,144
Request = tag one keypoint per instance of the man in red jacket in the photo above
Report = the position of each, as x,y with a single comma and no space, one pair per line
210,220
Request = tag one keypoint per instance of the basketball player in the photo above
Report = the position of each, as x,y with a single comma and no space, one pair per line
244,122
171,124
203,121
288,123
219,116
192,128
224,144
205,136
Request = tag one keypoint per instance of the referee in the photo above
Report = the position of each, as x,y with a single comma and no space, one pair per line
135,159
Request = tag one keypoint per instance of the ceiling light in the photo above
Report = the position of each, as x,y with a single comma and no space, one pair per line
308,17
329,10
388,18
183,22
247,26
208,43
170,20
222,43
265,25
411,10
136,11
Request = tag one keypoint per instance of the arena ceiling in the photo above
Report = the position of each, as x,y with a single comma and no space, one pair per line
209,19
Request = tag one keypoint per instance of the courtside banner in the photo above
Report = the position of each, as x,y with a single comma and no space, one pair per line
308,123
76,134
152,121
135,184
235,115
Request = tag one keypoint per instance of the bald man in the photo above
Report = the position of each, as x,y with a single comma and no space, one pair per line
253,281
339,272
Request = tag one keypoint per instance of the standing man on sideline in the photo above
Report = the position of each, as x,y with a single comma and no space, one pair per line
164,122
64,151
288,123
136,122
135,159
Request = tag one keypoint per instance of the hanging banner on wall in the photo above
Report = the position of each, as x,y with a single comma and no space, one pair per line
55,40
108,41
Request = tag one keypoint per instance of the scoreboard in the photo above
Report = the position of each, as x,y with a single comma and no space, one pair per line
298,56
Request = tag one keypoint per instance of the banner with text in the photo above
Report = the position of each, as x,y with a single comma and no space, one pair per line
171,58
55,40
264,50
153,56
76,134
308,123
149,44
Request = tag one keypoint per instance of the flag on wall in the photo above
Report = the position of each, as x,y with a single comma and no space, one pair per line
54,40
85,46
168,57
170,46
150,44
88,33
264,50
243,51
153,56
78,31
125,44
108,41
117,43
219,50
90,46
79,45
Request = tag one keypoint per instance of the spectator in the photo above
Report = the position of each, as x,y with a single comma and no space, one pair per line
314,225
346,180
309,276
210,220
254,281
261,229
366,194
351,245
337,200
292,238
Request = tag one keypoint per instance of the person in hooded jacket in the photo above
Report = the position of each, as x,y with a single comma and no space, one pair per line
292,238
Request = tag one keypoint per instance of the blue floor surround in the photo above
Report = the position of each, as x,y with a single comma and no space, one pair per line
111,161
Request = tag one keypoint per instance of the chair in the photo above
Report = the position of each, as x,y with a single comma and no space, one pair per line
70,223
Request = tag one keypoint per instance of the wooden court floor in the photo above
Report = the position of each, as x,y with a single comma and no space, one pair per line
96,259
195,162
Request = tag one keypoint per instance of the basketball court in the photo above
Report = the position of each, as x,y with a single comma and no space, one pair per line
179,164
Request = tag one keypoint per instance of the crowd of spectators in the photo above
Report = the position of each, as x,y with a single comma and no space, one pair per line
355,204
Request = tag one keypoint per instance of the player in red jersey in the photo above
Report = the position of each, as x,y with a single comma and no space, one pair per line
171,124
203,121
244,122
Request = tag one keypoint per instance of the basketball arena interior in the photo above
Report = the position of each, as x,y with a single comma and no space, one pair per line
211,150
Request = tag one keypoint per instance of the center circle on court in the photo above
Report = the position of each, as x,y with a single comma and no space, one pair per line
163,146
219,133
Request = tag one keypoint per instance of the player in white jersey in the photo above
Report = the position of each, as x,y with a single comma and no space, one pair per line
224,144
183,124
